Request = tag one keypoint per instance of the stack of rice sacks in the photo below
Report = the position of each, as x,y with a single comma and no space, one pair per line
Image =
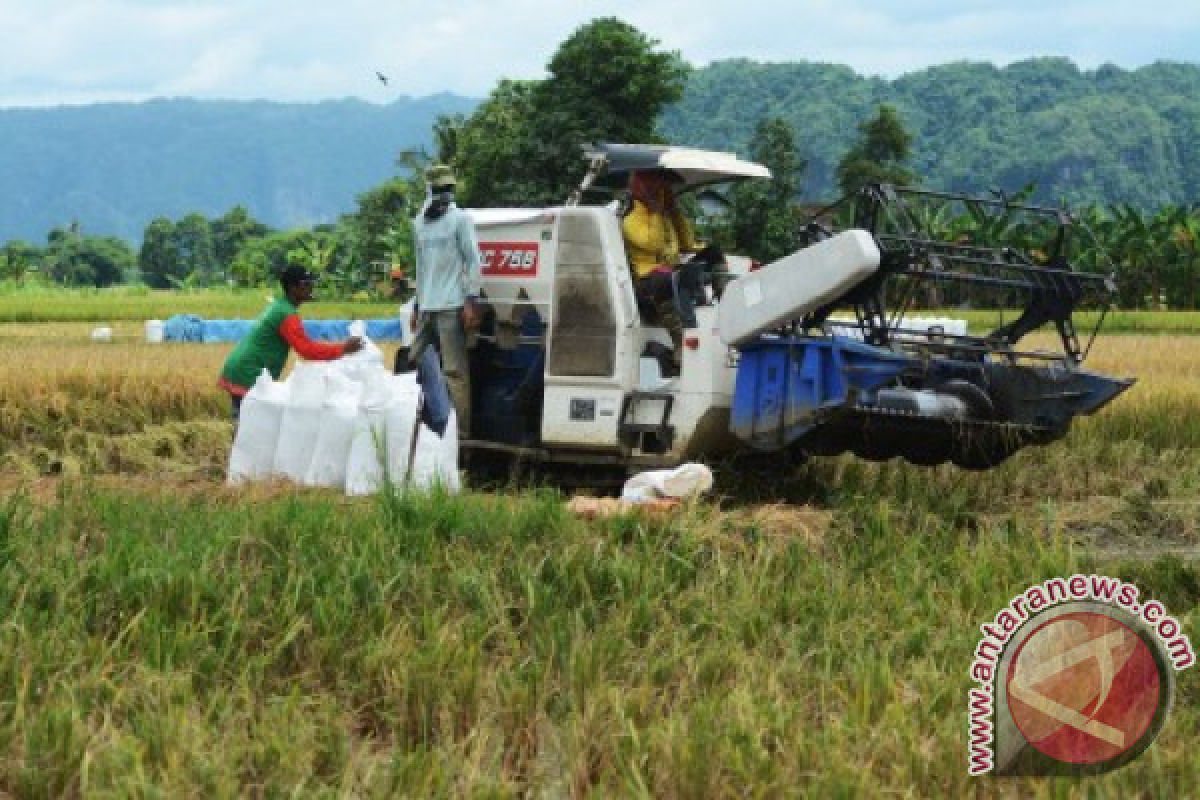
348,424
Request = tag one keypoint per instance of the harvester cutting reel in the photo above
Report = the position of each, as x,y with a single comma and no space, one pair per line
859,374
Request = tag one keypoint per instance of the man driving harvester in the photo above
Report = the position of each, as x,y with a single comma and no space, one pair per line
657,236
277,332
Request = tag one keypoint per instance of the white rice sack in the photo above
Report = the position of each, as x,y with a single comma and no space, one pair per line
923,328
383,436
339,419
683,481
357,366
301,423
946,325
253,455
436,459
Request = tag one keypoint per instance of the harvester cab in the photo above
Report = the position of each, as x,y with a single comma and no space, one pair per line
565,369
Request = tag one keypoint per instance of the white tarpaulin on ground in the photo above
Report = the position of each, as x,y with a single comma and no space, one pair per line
348,424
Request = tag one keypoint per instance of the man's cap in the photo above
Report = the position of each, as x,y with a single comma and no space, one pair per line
440,175
397,272
296,274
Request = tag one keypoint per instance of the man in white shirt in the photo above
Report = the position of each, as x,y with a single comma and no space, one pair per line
448,267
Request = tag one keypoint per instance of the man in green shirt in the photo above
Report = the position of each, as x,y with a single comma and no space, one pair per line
276,333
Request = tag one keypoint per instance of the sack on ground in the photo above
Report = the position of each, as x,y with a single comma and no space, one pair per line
383,435
356,429
683,481
301,422
435,462
253,455
339,417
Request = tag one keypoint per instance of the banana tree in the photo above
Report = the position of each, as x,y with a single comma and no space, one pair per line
1134,243
1183,246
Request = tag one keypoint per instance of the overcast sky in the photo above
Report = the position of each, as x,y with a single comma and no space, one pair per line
78,51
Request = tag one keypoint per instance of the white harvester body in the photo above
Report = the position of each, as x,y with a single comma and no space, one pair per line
601,394
570,369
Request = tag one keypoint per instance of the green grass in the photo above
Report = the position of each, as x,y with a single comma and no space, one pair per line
164,636
1180,322
124,303
496,646
137,304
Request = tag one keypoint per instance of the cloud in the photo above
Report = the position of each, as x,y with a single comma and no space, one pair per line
890,38
85,50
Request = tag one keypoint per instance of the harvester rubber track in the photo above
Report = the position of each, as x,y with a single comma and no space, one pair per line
880,434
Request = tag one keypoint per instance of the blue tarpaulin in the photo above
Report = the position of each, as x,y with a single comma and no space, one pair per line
226,330
184,328
193,328
335,330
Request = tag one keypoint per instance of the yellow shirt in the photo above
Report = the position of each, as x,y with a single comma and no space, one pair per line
653,239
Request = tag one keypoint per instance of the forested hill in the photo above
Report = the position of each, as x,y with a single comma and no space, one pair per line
114,167
1106,136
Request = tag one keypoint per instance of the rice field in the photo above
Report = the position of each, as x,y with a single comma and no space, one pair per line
136,304
167,636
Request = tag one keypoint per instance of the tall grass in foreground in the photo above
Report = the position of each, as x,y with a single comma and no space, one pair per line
183,639
437,646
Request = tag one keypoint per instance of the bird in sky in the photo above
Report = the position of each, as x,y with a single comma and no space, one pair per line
382,77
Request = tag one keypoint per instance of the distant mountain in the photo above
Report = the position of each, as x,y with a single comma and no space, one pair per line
1107,135
114,167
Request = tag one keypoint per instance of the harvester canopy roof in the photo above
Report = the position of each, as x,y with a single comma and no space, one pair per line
695,168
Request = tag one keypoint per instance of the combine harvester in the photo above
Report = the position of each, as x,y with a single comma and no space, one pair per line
564,372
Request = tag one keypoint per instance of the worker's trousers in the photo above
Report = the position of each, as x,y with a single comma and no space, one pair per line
657,291
444,330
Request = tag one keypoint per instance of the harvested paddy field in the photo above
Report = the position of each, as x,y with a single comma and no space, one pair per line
807,631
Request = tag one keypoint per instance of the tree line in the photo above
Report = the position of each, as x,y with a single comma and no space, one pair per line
608,81
352,255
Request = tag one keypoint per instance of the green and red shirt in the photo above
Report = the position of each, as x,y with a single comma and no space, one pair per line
277,332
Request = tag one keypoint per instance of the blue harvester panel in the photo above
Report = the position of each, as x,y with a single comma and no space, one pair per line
784,384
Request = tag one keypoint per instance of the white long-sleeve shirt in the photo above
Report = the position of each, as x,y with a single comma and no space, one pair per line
448,262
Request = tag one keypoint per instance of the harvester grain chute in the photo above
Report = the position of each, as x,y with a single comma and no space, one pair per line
813,354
